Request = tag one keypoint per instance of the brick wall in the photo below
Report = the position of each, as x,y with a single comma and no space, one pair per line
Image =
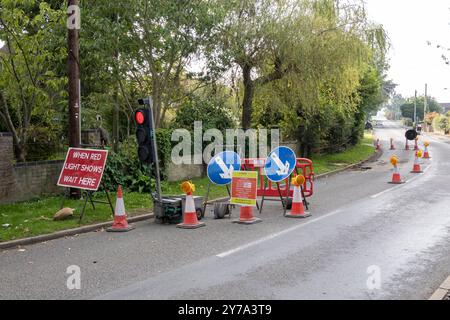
7,180
34,179
28,180
184,171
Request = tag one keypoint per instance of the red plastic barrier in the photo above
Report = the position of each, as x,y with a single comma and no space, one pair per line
271,190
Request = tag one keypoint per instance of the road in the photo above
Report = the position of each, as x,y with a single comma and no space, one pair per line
362,229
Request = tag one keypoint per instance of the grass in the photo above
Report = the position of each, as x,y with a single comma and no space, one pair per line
32,218
331,162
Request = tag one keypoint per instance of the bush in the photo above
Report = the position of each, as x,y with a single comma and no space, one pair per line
211,111
441,123
429,117
124,168
407,122
444,124
43,143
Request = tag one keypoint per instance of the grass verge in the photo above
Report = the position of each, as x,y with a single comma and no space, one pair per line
32,218
331,162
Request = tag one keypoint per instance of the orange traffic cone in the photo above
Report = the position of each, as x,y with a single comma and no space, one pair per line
417,168
392,144
396,178
416,146
246,216
120,217
426,154
378,144
190,220
298,210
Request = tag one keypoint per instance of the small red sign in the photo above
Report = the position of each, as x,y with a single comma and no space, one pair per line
83,169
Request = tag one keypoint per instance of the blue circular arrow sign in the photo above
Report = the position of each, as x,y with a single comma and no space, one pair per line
222,166
280,164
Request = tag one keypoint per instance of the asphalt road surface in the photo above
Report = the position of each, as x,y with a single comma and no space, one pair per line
367,239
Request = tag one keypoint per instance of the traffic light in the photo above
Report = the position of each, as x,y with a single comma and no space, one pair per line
144,135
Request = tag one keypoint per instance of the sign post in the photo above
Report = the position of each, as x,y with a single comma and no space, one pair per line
279,166
83,169
244,186
220,170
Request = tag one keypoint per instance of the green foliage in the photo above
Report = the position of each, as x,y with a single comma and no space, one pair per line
441,123
43,143
31,87
335,83
313,68
407,122
407,109
163,138
124,168
212,111
429,117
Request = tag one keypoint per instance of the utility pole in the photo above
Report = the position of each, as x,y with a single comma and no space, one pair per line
425,107
74,80
415,111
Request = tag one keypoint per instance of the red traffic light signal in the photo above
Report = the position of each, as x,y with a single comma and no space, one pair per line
139,117
144,135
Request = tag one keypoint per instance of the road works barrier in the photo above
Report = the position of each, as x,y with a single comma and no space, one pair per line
269,189
120,217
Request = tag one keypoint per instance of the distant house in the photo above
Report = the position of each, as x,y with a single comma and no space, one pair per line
445,107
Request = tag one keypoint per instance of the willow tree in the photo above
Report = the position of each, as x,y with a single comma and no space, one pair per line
331,51
255,37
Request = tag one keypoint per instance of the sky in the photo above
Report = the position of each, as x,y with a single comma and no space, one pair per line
410,24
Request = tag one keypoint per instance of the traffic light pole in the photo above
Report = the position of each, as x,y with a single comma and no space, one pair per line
155,152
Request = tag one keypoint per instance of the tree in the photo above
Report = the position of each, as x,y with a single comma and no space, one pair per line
305,44
256,36
393,108
429,117
29,86
164,36
335,81
407,109
104,40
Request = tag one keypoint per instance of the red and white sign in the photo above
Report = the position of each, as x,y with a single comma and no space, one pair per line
243,188
83,169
